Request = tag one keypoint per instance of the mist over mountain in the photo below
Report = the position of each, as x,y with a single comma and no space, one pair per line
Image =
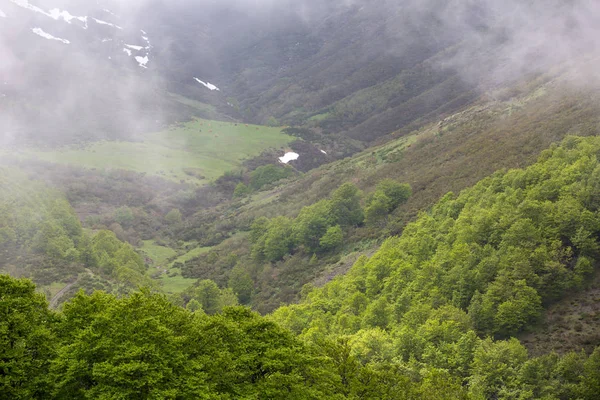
105,67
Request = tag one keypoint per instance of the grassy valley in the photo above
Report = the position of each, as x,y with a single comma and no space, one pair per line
163,268
193,152
168,166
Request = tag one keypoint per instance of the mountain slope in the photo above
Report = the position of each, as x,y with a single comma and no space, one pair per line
446,156
74,72
41,238
352,72
499,251
406,323
434,122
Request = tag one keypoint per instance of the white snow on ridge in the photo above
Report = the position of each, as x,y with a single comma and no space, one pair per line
100,22
143,61
2,15
82,21
147,40
208,85
25,4
289,157
324,152
57,14
134,47
40,32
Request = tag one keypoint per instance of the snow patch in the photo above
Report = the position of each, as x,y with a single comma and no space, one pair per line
147,40
25,4
143,61
2,15
324,152
57,14
40,32
289,157
131,46
208,85
126,50
100,22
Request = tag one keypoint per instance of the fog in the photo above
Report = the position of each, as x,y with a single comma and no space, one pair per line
90,90
513,38
56,93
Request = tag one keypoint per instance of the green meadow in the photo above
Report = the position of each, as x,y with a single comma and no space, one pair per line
162,259
194,152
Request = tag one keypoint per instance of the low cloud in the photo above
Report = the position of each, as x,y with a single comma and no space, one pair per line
488,42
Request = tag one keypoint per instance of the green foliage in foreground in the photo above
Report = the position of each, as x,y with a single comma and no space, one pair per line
144,347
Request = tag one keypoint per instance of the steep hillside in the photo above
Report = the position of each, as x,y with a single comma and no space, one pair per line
41,238
430,315
365,70
499,252
446,156
352,72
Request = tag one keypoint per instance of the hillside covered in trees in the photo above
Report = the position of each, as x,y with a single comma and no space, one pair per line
41,237
433,314
299,199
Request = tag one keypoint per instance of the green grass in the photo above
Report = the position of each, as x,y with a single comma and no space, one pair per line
176,284
191,254
160,255
202,107
320,117
163,259
52,289
208,148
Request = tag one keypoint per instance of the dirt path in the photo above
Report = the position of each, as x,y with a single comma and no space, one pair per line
57,296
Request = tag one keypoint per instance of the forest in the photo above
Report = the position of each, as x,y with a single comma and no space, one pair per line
299,199
435,313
